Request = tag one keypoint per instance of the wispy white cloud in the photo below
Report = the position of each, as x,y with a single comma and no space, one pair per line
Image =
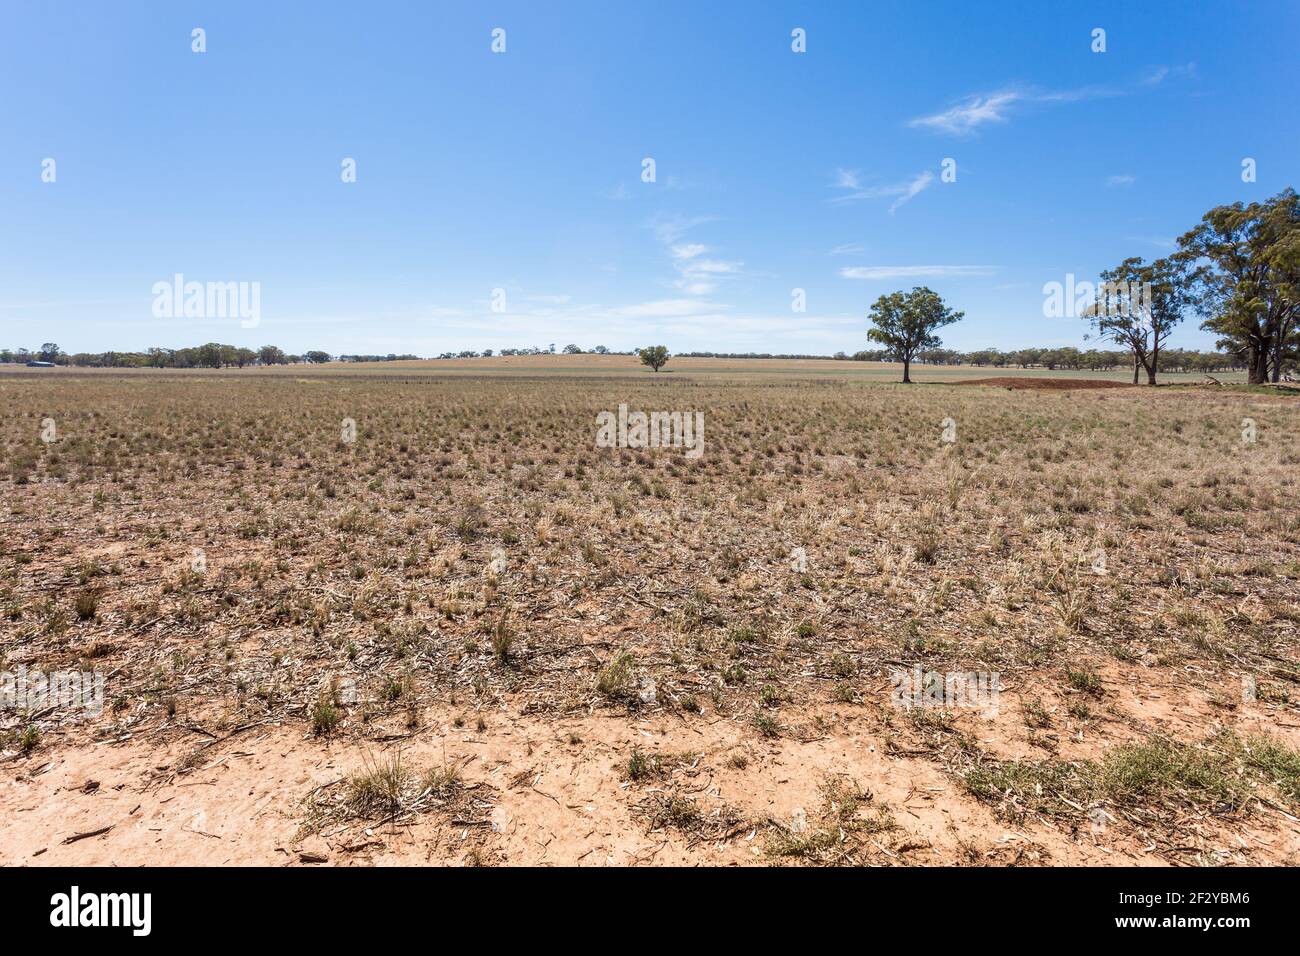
900,192
913,188
914,272
981,109
1123,179
669,229
715,267
968,116
849,249
1073,96
1159,74
696,276
996,107
846,179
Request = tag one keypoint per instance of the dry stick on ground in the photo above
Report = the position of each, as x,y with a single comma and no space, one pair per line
88,834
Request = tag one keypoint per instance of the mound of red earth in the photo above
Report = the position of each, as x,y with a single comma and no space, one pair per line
1048,383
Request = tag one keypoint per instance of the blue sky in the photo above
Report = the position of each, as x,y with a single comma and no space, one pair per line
522,170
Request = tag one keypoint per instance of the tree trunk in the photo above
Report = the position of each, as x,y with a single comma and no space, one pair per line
1257,365
907,367
1155,364
1135,368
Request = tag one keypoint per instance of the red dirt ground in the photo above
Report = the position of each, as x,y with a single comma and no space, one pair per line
1047,383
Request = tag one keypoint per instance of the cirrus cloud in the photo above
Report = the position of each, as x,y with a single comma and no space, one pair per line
901,193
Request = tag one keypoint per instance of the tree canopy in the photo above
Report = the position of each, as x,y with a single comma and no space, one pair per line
1245,262
656,356
905,322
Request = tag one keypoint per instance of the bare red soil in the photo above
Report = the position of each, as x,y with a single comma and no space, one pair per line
1055,384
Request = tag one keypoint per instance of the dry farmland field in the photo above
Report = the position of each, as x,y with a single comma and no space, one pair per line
469,635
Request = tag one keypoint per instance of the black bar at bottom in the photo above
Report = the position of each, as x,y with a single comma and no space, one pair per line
343,906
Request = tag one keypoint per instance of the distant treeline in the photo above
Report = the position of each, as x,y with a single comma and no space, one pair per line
757,355
216,355
1092,360
1096,360
211,355
535,350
